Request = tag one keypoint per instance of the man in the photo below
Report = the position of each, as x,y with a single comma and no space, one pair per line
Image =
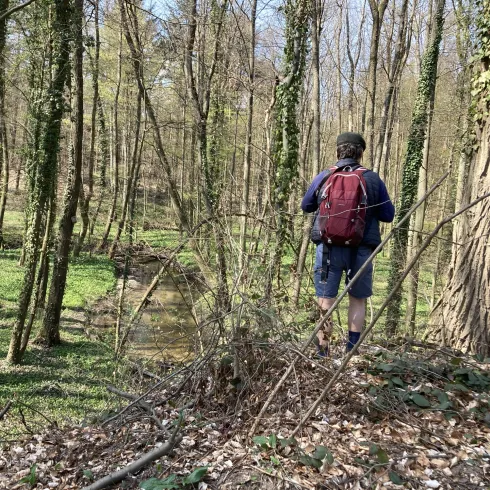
332,260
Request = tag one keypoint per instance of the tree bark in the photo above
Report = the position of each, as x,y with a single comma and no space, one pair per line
247,160
50,332
378,9
117,152
461,318
85,197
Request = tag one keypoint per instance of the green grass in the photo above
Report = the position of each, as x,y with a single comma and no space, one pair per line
66,382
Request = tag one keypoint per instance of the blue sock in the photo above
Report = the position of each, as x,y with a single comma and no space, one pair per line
353,339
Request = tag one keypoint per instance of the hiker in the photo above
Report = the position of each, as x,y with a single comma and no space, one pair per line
349,201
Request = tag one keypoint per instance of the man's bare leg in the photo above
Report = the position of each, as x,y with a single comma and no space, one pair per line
325,332
356,316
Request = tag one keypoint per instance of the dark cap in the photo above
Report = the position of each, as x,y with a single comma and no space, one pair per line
354,138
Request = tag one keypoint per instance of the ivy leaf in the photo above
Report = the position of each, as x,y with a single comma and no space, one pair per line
31,478
196,476
382,456
385,367
309,461
397,381
273,441
395,478
88,474
261,441
290,441
373,449
320,453
455,387
420,400
444,402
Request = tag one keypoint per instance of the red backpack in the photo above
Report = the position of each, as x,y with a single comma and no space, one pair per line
343,204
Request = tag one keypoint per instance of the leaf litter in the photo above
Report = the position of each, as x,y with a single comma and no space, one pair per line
392,421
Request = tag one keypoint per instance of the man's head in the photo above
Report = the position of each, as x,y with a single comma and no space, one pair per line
350,145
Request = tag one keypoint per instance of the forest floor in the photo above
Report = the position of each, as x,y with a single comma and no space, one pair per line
416,418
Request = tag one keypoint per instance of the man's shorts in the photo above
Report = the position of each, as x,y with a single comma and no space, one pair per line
340,261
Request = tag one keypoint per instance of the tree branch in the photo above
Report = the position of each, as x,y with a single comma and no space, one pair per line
11,11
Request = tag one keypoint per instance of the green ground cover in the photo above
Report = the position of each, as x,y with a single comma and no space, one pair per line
68,381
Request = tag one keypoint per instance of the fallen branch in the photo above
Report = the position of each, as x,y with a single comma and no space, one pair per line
339,299
129,396
145,406
5,409
137,465
364,334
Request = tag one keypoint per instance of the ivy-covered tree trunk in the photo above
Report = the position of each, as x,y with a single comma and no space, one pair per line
4,156
461,318
42,168
413,161
286,128
50,333
315,143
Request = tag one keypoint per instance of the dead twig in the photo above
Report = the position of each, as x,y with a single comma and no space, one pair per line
137,465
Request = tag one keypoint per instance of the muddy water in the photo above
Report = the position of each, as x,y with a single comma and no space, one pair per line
166,330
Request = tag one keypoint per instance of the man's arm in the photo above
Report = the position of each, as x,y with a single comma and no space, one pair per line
386,210
309,204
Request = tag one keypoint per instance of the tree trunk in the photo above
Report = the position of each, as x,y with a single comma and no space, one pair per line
353,62
129,179
247,160
413,161
136,55
117,152
286,128
394,77
418,225
315,144
461,318
50,333
4,156
377,12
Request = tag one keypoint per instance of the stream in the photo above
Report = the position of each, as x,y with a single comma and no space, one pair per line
166,330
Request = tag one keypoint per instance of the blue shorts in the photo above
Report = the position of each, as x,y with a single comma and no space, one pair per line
340,261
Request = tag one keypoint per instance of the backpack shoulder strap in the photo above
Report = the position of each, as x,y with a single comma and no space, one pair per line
330,172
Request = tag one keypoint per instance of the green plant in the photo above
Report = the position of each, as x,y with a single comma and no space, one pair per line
174,481
31,478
